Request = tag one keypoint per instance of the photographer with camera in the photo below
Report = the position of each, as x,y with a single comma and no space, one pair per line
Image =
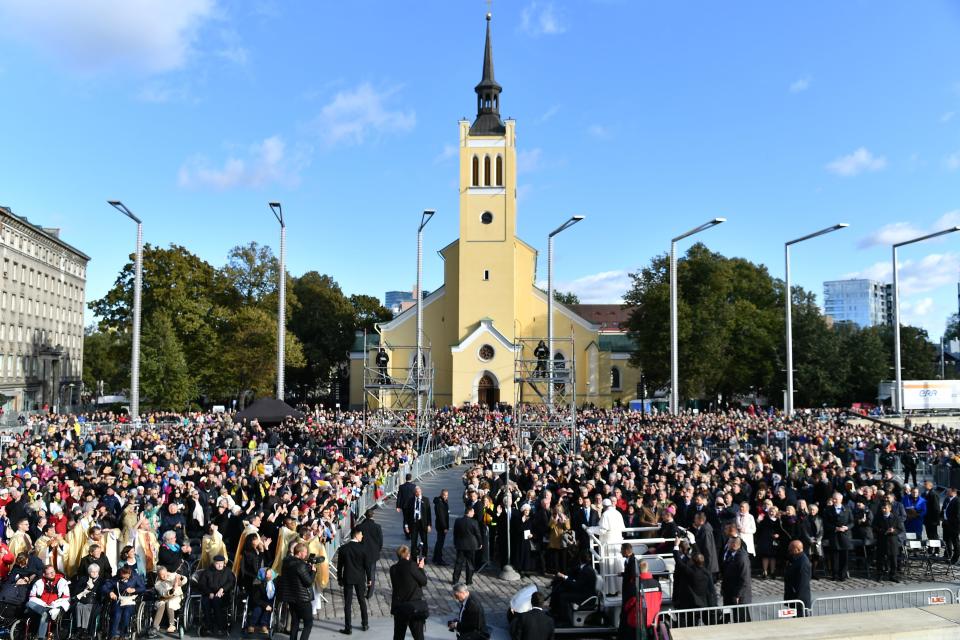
353,574
295,587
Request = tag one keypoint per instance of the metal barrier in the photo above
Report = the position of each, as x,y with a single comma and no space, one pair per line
732,614
881,601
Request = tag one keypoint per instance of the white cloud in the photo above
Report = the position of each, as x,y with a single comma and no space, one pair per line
161,92
891,234
529,160
903,231
800,84
262,163
856,163
947,117
449,152
916,276
549,113
952,161
597,288
147,35
598,131
540,19
356,113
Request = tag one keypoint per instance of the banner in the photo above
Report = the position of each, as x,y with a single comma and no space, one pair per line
931,394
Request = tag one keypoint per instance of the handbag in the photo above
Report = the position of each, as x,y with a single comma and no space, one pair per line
413,610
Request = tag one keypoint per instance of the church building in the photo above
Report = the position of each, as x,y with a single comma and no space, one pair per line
489,300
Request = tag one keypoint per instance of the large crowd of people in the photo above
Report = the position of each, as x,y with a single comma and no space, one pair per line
102,513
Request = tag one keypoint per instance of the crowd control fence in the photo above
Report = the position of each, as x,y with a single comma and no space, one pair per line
867,602
732,614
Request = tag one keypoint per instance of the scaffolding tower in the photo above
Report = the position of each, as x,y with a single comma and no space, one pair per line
546,397
398,397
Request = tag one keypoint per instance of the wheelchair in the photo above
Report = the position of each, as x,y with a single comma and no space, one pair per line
13,624
26,627
194,611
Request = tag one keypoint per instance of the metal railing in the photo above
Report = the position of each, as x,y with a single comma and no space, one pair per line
732,614
866,602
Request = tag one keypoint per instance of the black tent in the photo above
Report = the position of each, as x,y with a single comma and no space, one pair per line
268,411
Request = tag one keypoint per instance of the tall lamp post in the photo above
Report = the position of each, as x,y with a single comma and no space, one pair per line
566,225
674,357
898,390
418,365
137,287
282,303
788,304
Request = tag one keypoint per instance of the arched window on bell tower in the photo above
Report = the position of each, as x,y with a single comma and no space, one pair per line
476,172
499,170
487,175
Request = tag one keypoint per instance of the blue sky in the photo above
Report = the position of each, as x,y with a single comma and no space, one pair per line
647,117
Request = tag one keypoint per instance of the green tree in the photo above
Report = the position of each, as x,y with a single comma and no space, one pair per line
189,292
106,358
918,356
568,297
250,359
251,273
368,312
324,322
165,379
819,370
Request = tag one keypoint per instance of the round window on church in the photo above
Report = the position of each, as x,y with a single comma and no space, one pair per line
486,217
486,353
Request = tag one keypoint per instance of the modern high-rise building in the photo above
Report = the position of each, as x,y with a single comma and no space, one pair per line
394,299
41,317
866,303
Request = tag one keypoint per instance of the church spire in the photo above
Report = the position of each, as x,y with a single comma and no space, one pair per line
488,120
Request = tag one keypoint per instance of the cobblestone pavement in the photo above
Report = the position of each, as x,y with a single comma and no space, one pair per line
495,594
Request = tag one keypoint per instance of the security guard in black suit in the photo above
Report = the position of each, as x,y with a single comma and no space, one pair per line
467,540
353,576
534,624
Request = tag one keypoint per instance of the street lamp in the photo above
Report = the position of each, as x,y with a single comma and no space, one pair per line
898,391
788,405
137,286
674,359
418,366
566,225
282,303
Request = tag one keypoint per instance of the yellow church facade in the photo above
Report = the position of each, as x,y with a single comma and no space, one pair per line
489,300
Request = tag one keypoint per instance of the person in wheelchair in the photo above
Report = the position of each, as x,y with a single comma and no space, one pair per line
122,592
216,586
49,598
85,593
260,607
172,554
571,589
169,588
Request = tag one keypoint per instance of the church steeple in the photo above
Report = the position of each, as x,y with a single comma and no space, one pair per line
488,122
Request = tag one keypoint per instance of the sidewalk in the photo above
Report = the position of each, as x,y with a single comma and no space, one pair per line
493,593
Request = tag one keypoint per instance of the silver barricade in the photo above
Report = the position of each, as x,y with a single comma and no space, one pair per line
732,614
866,602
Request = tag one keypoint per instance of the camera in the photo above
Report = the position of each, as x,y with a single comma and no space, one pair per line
315,559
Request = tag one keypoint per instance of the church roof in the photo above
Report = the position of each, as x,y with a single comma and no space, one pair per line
610,317
488,122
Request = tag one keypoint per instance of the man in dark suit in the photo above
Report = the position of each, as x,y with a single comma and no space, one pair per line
405,492
416,523
706,542
887,529
581,517
441,514
796,577
407,604
534,624
693,584
471,623
466,540
837,530
931,521
735,572
352,575
372,545
951,526
576,587
508,519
